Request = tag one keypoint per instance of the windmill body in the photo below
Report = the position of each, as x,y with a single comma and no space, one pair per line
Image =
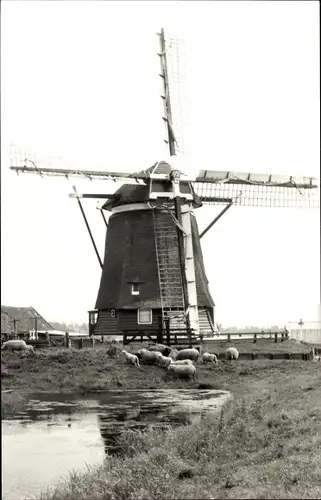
142,282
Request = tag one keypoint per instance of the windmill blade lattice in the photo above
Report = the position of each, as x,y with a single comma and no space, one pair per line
257,190
173,72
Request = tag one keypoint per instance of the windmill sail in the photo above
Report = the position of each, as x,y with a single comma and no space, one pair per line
173,73
244,189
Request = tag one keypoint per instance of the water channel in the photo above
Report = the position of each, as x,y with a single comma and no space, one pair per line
58,433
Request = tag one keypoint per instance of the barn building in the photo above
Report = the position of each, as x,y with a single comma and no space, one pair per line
18,322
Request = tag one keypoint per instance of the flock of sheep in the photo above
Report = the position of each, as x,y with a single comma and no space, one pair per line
180,363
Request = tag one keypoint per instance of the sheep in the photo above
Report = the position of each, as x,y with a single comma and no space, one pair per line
16,345
173,354
164,361
148,356
209,358
182,371
159,348
183,362
131,358
231,353
315,358
192,354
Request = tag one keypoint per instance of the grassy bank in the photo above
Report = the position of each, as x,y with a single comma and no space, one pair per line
93,369
71,370
269,446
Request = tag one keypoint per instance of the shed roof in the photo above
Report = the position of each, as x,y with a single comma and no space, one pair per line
25,319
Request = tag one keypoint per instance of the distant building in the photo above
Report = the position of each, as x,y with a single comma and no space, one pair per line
20,321
307,331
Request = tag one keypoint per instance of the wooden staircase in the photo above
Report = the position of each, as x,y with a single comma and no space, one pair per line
205,322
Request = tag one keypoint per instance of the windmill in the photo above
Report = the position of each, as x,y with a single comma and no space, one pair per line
153,274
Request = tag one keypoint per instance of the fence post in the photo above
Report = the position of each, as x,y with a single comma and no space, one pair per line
92,341
275,337
81,343
67,340
255,338
168,336
229,337
124,337
47,339
102,339
201,344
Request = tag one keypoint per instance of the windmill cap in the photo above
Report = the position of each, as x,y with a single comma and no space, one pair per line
163,169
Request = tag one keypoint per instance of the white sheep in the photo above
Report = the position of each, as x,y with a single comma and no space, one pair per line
188,354
231,353
16,345
173,354
158,348
164,361
131,358
147,356
183,362
208,357
315,358
183,371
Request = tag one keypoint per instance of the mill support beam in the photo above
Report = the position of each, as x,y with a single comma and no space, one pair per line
225,209
190,269
89,230
180,236
93,196
103,216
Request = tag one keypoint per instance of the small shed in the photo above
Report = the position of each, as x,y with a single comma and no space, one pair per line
306,331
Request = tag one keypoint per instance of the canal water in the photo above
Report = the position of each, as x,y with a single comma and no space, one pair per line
58,433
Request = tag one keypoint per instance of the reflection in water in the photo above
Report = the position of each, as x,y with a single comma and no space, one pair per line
61,432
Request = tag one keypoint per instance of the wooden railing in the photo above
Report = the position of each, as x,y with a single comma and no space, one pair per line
66,341
169,337
227,336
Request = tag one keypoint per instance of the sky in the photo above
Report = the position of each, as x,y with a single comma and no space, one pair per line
80,87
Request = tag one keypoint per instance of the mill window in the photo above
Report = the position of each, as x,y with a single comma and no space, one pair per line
135,289
144,316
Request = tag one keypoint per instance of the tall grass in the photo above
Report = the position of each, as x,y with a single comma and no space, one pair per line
260,447
12,403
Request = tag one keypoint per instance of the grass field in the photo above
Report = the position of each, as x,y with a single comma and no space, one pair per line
267,444
92,369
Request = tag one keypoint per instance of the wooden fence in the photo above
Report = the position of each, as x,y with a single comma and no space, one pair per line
255,336
184,337
66,341
306,356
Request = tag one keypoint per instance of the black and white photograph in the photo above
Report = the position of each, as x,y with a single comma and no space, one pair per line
160,249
